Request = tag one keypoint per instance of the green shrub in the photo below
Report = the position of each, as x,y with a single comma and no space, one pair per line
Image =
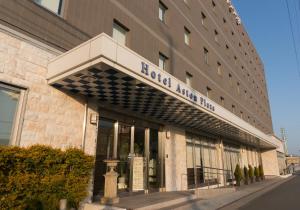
251,173
238,175
261,172
246,175
256,174
39,176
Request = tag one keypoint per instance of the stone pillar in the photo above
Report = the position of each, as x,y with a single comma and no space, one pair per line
270,162
175,160
111,181
220,152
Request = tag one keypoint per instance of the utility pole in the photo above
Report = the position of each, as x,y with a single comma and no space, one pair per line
284,139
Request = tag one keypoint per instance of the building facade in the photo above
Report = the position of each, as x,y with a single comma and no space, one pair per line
174,90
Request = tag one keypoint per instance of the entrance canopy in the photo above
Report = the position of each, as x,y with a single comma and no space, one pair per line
116,76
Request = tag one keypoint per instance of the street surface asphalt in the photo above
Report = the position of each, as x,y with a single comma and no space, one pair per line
284,197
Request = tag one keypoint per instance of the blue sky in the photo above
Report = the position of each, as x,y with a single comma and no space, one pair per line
267,23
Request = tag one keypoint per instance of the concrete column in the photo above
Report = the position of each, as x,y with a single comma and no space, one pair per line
175,159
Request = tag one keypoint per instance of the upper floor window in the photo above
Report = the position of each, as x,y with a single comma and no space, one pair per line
216,35
219,68
162,61
238,87
203,18
188,79
52,5
213,4
222,101
205,55
233,108
162,9
187,36
119,33
208,92
230,79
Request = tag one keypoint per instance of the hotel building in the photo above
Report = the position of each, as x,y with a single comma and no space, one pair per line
174,90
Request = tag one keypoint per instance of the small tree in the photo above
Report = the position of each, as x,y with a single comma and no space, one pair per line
251,173
246,175
238,175
261,172
256,173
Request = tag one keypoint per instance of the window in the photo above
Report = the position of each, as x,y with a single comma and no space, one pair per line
162,61
241,115
187,36
205,55
222,101
227,47
233,109
213,5
230,79
9,98
188,79
238,88
232,33
203,18
216,35
219,68
119,33
224,20
52,5
208,92
235,60
245,94
162,9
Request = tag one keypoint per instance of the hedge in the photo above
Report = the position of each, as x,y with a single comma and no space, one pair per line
39,176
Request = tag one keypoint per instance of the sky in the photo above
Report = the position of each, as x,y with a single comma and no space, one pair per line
267,23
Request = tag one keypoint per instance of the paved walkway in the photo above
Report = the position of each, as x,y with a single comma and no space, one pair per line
187,200
221,201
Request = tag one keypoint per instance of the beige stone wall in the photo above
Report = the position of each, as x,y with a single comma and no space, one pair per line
175,162
270,162
51,117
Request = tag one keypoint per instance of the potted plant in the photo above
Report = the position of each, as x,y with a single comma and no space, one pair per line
238,175
251,174
261,172
246,175
256,174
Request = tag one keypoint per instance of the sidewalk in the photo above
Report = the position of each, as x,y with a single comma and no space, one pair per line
187,200
242,192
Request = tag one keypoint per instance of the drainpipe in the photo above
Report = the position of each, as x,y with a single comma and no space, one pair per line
84,125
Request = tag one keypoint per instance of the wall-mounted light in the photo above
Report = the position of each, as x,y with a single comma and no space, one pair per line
94,118
168,134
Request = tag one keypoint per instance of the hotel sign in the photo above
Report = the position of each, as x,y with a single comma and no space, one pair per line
176,86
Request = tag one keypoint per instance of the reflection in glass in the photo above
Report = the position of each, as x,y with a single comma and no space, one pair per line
8,106
123,154
153,159
104,151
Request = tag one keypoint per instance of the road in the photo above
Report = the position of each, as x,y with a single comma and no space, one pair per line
284,197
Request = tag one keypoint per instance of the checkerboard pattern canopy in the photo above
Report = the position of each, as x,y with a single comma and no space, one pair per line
113,87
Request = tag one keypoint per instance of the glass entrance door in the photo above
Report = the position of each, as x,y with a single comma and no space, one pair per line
137,149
